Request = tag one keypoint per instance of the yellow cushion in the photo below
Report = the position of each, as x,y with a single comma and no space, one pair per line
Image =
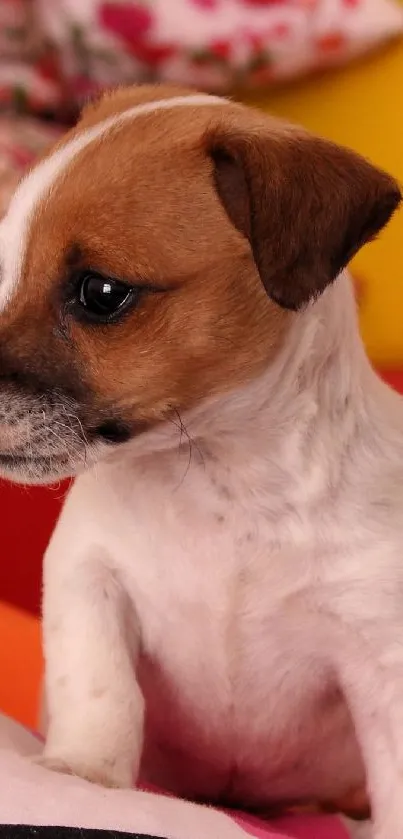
362,107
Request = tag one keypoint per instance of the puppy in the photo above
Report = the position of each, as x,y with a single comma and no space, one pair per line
223,594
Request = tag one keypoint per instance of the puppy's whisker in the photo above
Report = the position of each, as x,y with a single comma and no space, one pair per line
191,440
180,425
76,419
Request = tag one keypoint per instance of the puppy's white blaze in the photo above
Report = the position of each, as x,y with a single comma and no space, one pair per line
37,185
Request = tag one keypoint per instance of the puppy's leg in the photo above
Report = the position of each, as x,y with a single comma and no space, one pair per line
371,672
94,703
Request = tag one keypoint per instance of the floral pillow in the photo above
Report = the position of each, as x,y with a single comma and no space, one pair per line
26,79
55,54
22,141
214,44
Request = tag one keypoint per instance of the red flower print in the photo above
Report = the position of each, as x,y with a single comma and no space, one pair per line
280,30
221,49
262,3
206,4
133,24
130,22
255,41
261,76
333,42
307,4
4,94
22,157
83,87
48,64
152,53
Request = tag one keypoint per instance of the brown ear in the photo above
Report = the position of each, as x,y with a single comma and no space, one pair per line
305,205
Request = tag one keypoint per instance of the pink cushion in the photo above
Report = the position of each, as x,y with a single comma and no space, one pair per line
33,796
295,827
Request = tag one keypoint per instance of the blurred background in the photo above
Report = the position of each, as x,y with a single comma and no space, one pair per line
336,66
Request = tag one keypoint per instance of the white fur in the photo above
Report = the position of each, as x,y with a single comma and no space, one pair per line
36,186
247,584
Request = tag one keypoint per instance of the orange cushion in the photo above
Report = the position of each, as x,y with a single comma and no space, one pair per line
20,665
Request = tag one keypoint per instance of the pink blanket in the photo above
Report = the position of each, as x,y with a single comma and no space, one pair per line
296,827
34,796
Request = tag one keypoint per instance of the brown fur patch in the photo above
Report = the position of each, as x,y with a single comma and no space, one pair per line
133,213
305,205
121,99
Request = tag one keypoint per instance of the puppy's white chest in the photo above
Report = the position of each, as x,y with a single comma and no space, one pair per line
228,659
183,557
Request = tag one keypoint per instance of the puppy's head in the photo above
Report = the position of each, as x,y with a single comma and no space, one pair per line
157,256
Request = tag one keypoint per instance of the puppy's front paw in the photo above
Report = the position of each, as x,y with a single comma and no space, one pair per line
105,773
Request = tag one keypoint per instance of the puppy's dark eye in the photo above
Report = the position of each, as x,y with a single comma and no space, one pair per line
103,297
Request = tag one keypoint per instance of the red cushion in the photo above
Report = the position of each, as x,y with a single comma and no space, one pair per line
394,378
28,516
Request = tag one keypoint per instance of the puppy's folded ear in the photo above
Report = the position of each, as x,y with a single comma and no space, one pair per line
306,205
